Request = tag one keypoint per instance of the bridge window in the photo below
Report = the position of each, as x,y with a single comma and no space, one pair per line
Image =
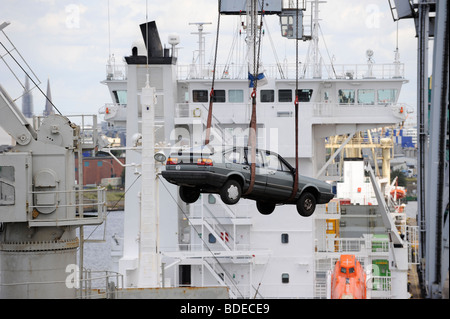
346,96
285,278
219,96
200,96
387,96
120,97
236,96
304,95
366,97
284,95
267,96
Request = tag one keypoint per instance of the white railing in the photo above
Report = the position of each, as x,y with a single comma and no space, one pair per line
116,72
355,245
288,71
100,284
93,200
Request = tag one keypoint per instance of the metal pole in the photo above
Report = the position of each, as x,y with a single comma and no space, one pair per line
436,267
422,118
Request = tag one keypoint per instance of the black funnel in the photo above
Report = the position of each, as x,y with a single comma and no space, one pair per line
152,40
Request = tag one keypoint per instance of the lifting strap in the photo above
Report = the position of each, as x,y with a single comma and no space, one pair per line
253,127
295,187
211,94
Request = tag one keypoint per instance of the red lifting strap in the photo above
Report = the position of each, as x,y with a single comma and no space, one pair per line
252,143
295,188
209,120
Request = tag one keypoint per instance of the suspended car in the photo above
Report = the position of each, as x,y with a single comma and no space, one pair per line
227,171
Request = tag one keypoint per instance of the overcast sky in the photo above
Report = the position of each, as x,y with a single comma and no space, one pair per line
68,42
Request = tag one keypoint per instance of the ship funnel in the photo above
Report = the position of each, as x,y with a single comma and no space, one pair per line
152,40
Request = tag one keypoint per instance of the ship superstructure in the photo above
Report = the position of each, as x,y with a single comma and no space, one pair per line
168,243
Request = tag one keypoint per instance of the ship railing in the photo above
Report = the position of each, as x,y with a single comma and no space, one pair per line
116,72
288,71
99,284
209,248
110,108
366,246
90,201
412,240
381,286
354,109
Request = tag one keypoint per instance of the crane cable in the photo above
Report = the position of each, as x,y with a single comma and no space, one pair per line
295,187
211,95
252,133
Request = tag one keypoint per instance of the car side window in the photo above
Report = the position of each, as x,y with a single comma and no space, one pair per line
284,168
233,156
272,162
259,162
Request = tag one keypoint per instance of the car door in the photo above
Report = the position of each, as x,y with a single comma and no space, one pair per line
279,178
260,175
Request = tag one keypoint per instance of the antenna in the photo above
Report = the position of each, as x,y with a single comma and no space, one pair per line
201,44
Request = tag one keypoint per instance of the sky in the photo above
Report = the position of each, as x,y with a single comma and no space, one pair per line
68,42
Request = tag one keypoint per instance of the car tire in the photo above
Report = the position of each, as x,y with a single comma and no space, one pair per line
189,195
231,192
306,204
265,208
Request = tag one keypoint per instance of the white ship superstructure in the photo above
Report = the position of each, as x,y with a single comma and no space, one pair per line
209,243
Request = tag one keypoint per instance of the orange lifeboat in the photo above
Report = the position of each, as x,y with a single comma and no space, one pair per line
398,193
348,281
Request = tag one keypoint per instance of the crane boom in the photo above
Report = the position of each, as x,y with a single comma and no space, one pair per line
13,121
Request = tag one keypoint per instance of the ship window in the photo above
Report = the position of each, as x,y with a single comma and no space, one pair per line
200,96
304,95
267,96
287,23
7,190
351,270
219,96
211,199
387,96
211,239
285,278
346,96
236,96
284,95
120,97
284,238
366,97
99,163
343,270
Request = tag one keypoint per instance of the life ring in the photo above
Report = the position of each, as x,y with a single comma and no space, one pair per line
197,112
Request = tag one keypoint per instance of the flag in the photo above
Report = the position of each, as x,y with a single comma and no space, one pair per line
261,78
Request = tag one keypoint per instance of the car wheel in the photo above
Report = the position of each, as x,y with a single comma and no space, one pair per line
265,208
306,204
231,192
189,195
